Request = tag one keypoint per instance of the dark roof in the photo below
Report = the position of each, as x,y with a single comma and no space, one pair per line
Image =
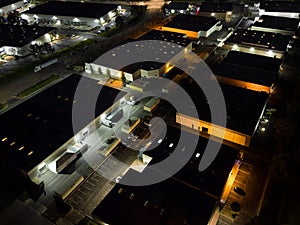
248,74
192,22
213,179
216,7
244,107
260,39
177,5
254,61
44,122
142,65
4,3
280,6
18,36
276,22
166,36
249,67
169,202
74,9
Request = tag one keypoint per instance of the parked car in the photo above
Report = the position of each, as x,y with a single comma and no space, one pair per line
239,191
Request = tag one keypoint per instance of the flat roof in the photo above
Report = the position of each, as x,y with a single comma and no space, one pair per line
244,107
249,67
217,7
159,35
169,202
268,40
34,129
143,66
148,50
18,36
177,5
213,179
156,35
192,22
73,9
280,6
246,74
4,3
277,22
254,61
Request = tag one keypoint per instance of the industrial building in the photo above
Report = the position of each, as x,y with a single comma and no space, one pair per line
6,6
56,13
151,68
16,39
289,9
254,72
193,26
200,191
38,131
258,42
218,10
244,110
177,7
177,203
276,24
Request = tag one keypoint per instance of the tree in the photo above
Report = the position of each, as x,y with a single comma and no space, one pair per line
119,22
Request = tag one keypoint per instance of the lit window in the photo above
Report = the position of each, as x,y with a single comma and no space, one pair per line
21,148
30,153
4,139
197,155
171,145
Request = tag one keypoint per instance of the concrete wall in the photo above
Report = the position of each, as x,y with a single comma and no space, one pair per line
294,15
227,16
264,29
11,7
243,84
212,129
69,21
253,50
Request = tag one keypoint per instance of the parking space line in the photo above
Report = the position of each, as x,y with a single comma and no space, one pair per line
88,182
82,192
77,196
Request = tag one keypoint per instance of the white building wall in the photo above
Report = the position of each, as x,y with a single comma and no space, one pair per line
11,7
264,29
254,50
294,15
70,21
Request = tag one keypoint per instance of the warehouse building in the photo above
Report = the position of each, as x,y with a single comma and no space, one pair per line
209,187
176,203
244,110
218,10
37,131
146,68
276,24
6,6
177,7
56,13
193,26
16,39
258,42
254,72
280,8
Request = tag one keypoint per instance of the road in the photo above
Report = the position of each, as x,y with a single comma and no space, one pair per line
8,92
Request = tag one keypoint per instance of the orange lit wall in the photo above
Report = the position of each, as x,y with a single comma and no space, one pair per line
190,34
243,84
215,130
